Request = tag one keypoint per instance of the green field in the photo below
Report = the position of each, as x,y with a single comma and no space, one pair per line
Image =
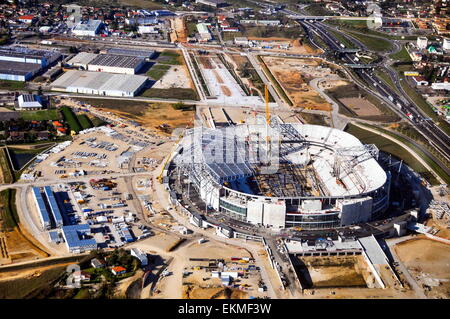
402,55
393,148
157,71
170,57
84,121
372,43
264,32
43,115
71,119
9,217
30,287
5,166
12,85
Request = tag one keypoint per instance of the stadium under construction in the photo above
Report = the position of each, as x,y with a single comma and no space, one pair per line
282,175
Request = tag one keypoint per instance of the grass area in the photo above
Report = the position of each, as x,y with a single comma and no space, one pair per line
316,9
12,85
393,148
348,44
157,71
5,166
401,55
170,57
71,118
8,210
264,32
353,91
174,93
27,287
315,119
97,122
191,28
386,79
361,26
388,146
84,121
43,115
274,81
372,43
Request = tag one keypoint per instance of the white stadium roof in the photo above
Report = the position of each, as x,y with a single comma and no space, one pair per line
359,171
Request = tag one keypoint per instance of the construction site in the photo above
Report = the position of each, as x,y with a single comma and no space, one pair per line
295,76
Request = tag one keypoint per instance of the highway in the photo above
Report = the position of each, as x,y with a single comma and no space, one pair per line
400,104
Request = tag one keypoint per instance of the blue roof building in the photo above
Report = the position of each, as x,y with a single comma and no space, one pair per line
53,206
75,238
43,212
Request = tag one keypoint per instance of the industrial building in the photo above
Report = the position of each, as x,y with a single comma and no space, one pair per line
42,209
203,30
26,55
100,83
320,177
30,102
18,71
76,239
116,64
87,28
213,3
139,53
54,209
82,59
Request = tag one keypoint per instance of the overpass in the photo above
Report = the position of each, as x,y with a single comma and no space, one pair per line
359,66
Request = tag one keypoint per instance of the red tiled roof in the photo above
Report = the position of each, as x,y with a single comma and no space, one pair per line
27,17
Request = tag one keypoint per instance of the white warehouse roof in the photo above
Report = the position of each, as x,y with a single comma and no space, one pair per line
99,82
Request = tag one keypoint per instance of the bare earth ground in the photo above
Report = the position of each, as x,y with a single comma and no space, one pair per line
18,245
428,262
157,114
294,75
360,106
175,77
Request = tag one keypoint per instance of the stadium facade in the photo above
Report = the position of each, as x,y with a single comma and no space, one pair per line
285,175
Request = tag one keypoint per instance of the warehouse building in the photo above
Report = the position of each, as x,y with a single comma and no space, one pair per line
26,55
99,83
54,209
139,53
82,59
116,64
18,71
76,239
213,3
203,30
29,102
87,28
42,209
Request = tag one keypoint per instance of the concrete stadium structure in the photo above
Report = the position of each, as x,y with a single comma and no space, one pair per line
324,177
